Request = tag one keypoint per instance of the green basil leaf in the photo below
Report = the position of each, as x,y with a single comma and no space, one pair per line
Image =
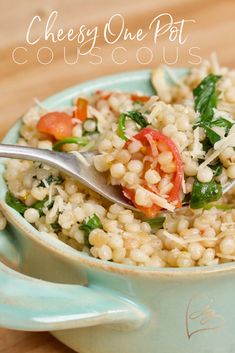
221,122
78,140
133,115
39,205
13,202
212,135
92,223
156,222
205,97
203,193
121,126
137,117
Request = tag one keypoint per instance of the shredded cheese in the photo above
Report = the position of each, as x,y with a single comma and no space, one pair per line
81,158
158,200
197,150
174,238
149,103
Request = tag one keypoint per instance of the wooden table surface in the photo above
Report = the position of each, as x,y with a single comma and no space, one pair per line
213,30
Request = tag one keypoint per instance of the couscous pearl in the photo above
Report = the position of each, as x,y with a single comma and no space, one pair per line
152,177
147,249
227,245
169,130
145,227
105,252
77,130
227,153
98,238
70,187
196,250
46,144
169,167
132,227
208,256
231,171
138,256
31,215
156,261
191,168
123,156
134,146
126,218
182,224
101,163
165,157
204,174
90,125
116,209
131,178
115,241
117,142
105,146
39,193
117,170
119,254
135,166
142,199
184,260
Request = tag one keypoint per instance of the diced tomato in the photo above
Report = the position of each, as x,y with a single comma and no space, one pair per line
57,124
142,99
81,111
176,177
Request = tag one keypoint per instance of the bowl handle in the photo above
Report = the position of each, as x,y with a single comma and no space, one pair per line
34,305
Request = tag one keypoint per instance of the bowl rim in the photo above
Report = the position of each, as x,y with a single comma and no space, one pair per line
64,250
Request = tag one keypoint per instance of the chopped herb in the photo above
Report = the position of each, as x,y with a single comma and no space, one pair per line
203,193
224,123
219,207
56,226
156,222
211,134
20,207
51,179
39,205
78,140
133,115
13,202
92,223
205,97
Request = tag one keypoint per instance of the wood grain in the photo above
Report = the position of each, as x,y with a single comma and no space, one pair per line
19,84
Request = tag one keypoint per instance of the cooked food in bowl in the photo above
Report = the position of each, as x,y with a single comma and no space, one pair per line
164,150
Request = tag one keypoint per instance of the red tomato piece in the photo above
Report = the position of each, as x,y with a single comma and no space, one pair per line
57,124
173,195
81,111
142,99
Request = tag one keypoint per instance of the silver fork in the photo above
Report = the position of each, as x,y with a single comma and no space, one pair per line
86,174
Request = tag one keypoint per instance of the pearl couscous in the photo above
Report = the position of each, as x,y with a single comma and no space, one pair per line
173,147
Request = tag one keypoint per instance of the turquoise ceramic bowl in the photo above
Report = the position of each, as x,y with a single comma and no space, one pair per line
95,306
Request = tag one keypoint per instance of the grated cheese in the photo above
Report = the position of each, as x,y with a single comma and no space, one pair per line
158,200
197,150
173,77
174,238
149,103
81,158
